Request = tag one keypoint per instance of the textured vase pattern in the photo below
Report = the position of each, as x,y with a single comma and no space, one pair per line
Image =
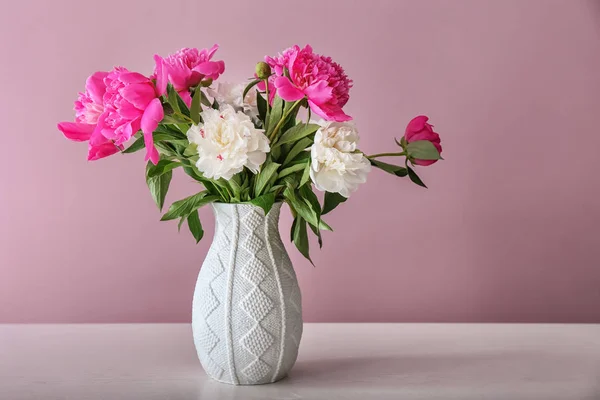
247,310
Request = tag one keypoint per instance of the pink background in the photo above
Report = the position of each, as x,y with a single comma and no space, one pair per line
508,231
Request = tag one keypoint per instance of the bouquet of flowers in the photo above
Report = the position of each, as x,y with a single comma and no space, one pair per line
244,143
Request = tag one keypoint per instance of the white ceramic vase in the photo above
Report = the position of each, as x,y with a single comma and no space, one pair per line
247,309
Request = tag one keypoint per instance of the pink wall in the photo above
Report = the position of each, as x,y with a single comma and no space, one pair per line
509,230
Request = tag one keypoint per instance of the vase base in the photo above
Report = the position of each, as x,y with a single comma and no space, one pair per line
247,384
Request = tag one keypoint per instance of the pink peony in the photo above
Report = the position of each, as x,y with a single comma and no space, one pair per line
185,69
322,81
419,129
130,103
88,108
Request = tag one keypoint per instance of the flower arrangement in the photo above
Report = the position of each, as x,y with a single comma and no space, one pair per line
243,143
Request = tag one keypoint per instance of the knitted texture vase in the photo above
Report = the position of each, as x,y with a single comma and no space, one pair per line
247,310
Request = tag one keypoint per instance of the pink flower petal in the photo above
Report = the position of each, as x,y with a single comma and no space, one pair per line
212,51
152,116
138,94
424,163
97,136
76,131
416,124
161,75
95,86
319,92
286,90
210,69
133,77
424,135
100,151
186,97
329,112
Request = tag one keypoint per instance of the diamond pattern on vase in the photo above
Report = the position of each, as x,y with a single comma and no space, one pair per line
257,305
257,370
208,340
252,219
257,341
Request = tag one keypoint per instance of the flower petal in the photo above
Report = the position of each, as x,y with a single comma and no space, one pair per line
211,69
95,86
212,51
329,112
319,92
186,97
424,163
100,151
161,75
152,116
138,94
286,90
133,77
76,131
416,124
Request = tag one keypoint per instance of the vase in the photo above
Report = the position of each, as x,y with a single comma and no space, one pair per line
247,309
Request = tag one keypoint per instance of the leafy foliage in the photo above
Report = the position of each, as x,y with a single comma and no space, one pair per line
283,177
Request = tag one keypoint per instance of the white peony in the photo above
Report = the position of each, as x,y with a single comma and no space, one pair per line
227,142
231,93
334,165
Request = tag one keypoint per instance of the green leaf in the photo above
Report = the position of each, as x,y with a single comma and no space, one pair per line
291,169
250,86
423,150
390,168
162,167
187,205
265,202
172,97
414,177
304,210
169,131
297,132
261,104
275,114
236,186
140,144
332,200
311,199
269,169
305,175
191,150
183,107
298,148
275,188
195,107
181,221
300,237
135,146
195,226
159,186
166,149
176,101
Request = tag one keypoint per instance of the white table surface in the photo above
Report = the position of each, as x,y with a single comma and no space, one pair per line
337,361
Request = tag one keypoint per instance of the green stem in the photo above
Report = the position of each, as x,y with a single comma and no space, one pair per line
387,155
186,118
268,104
282,120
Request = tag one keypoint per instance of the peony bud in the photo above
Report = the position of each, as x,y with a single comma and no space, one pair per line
263,70
419,131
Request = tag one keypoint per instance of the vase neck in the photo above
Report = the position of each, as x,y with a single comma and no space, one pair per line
245,214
